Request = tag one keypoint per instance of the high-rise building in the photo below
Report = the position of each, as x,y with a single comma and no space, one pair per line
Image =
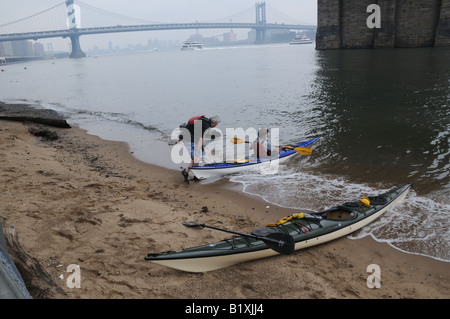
21,48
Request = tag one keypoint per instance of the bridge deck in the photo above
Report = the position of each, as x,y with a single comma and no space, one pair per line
149,27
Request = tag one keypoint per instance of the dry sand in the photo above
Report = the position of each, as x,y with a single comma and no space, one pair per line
86,201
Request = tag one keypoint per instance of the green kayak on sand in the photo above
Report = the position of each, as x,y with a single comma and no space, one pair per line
283,237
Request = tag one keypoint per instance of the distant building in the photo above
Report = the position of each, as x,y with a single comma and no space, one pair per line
252,36
273,36
21,48
279,35
38,49
7,48
229,37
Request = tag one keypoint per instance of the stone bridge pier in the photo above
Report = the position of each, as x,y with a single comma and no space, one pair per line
342,24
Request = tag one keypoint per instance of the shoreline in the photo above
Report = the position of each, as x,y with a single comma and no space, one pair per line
87,201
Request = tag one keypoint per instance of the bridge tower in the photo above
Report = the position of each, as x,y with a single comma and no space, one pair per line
260,21
72,14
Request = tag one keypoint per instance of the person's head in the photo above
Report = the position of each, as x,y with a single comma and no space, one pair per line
214,120
262,133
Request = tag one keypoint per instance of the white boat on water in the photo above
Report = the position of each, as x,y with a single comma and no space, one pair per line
192,45
303,40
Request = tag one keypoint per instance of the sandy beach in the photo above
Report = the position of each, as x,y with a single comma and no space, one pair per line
76,199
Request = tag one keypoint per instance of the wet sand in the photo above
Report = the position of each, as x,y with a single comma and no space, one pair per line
82,200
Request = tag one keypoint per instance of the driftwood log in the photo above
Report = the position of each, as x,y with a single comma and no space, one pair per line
27,113
47,121
38,282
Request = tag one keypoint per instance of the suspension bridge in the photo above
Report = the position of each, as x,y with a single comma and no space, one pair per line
63,20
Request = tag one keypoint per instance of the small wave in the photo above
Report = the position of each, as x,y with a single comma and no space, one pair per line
302,190
418,225
83,114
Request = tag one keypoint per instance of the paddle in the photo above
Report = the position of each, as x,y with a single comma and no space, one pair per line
280,242
300,150
236,140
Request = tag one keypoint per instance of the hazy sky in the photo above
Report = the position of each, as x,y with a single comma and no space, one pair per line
304,11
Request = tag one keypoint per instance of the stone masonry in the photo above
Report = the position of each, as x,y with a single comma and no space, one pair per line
342,24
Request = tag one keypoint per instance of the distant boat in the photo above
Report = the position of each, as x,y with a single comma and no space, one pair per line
303,40
192,45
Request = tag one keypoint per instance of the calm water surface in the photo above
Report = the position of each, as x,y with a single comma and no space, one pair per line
383,117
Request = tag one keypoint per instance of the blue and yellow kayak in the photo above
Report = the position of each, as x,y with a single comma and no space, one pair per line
247,164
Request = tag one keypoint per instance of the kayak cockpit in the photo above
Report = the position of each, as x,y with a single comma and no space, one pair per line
335,213
340,213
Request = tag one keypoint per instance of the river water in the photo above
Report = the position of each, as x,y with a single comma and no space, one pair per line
383,117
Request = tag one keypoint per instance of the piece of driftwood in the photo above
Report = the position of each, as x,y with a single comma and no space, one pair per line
47,121
43,132
28,113
38,282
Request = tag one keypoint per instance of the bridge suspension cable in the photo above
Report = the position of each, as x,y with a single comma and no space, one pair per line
31,16
273,14
53,18
246,15
120,18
